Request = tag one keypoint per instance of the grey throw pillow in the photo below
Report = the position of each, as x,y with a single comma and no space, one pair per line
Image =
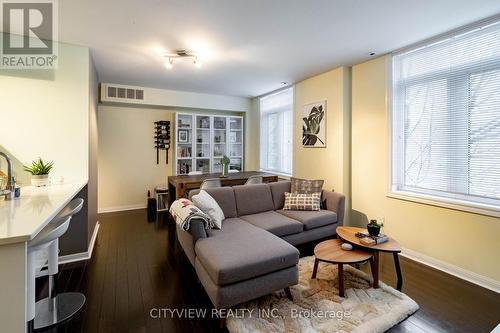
306,186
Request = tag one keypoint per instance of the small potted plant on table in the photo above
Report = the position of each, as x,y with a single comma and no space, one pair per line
374,227
39,172
225,165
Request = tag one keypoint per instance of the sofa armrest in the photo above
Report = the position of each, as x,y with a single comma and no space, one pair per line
335,202
197,230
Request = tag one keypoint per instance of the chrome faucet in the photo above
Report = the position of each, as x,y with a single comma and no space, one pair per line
11,186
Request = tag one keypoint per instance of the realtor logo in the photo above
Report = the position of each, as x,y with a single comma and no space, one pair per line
29,32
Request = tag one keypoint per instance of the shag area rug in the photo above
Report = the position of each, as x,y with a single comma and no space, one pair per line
317,307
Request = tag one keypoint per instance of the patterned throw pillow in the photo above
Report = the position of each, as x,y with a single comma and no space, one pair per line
306,186
302,201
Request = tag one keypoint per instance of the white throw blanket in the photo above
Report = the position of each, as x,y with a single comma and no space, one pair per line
184,211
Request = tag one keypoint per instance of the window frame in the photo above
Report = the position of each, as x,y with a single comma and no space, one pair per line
275,171
424,198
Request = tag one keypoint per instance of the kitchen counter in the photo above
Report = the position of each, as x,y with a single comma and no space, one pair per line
22,219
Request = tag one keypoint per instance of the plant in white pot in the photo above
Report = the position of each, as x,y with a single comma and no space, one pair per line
39,172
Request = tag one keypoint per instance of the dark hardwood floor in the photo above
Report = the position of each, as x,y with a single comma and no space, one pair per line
138,266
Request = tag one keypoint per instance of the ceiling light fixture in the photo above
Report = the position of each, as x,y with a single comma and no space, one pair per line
181,55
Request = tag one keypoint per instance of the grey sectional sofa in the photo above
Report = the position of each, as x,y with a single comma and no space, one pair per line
253,255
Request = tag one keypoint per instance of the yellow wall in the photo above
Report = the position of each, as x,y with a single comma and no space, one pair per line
466,240
330,163
127,158
252,136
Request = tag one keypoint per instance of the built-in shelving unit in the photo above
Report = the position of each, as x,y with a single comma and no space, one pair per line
202,140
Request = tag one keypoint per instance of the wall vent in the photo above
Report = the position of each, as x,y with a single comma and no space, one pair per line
113,93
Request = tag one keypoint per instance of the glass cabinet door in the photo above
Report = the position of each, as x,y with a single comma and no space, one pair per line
184,139
203,144
235,143
220,137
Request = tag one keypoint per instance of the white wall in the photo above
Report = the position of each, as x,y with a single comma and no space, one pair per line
45,113
127,158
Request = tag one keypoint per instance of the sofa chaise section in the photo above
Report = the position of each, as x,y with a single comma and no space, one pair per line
234,263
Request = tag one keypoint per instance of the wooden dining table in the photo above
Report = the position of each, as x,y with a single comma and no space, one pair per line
179,186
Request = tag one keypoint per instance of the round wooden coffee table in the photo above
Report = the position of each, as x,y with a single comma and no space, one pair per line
348,234
331,252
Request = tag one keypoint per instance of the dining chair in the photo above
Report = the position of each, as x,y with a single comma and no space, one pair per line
254,180
210,183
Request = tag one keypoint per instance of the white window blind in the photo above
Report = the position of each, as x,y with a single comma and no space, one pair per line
276,127
446,118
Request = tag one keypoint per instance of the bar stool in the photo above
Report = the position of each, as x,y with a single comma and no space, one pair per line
54,308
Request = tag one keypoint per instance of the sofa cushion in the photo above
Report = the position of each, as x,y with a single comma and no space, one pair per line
209,206
278,190
242,251
252,199
299,185
225,198
311,219
275,223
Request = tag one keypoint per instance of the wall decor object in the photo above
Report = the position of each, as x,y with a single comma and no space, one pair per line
183,136
314,125
162,138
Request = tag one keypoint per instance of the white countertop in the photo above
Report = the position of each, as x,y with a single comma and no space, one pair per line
22,218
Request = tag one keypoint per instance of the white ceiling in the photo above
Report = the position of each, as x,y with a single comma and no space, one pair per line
249,47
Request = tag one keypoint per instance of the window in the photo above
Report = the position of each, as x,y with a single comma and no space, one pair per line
276,127
446,119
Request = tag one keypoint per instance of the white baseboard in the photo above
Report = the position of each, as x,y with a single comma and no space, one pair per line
121,208
459,272
82,255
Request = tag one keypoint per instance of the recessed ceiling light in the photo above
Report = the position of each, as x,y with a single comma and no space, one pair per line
284,83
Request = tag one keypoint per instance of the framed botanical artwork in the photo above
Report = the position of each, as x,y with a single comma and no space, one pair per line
314,125
183,136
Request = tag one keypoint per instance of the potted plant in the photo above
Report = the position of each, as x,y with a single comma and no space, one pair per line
39,172
225,165
374,227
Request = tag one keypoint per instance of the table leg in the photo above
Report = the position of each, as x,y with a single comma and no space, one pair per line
341,280
372,268
375,269
315,269
172,192
398,271
179,191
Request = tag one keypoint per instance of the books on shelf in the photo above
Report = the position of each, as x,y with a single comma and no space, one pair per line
366,239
